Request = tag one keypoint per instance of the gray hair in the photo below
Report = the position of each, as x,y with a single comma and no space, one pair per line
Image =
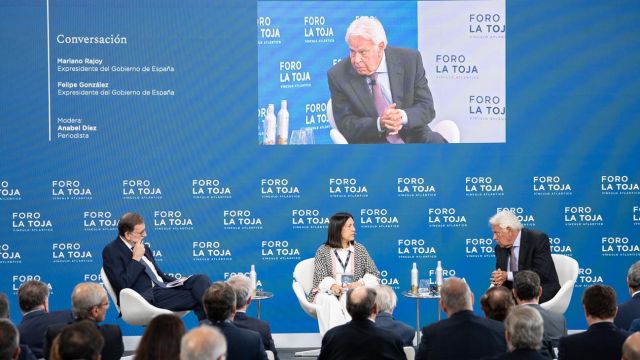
368,28
524,327
633,276
203,343
242,287
456,295
86,296
386,298
506,219
9,339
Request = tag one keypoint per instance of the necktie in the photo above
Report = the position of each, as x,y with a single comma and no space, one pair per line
381,105
513,264
147,269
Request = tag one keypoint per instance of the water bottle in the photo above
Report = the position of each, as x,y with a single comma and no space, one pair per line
283,123
414,279
254,278
439,276
270,126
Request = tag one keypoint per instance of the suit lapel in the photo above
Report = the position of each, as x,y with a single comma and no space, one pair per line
396,76
524,249
360,87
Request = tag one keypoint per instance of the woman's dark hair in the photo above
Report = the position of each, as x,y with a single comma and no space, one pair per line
161,339
336,223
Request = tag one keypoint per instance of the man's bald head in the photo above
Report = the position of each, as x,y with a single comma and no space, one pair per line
631,347
456,296
361,303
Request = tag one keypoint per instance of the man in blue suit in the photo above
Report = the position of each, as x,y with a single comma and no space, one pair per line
33,298
128,263
361,338
602,340
386,301
380,94
244,290
220,306
630,309
463,335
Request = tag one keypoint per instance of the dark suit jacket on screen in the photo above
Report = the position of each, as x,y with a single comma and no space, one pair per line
534,255
627,312
601,341
360,339
387,322
34,326
242,344
464,335
262,327
354,109
113,345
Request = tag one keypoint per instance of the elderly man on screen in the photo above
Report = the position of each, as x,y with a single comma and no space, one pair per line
518,249
381,94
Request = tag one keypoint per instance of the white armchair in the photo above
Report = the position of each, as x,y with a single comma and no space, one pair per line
302,284
567,269
134,308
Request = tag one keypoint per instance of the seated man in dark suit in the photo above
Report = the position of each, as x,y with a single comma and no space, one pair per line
463,335
519,248
361,338
90,302
602,340
80,340
6,342
33,298
243,289
524,335
203,343
220,306
386,300
380,94
496,303
527,291
630,309
128,263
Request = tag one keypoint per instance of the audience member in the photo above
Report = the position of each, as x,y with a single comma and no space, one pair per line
630,309
631,347
524,334
360,338
602,340
244,290
386,301
203,343
496,303
80,340
442,340
220,307
161,339
33,298
527,290
9,339
24,351
90,302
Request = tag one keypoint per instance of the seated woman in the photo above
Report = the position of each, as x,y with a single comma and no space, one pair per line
340,264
